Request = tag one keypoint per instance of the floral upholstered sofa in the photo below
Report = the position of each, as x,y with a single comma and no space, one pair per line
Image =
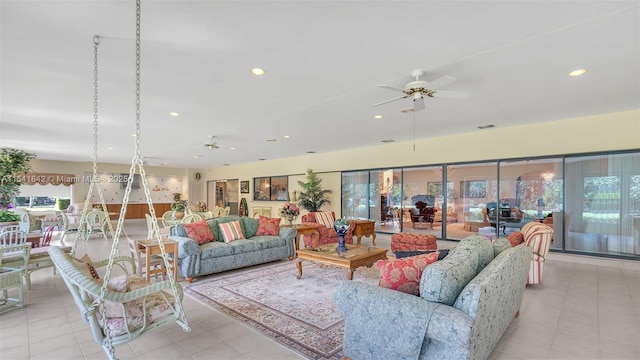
325,220
219,255
467,300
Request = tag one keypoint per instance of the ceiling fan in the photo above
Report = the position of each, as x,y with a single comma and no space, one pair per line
418,89
210,144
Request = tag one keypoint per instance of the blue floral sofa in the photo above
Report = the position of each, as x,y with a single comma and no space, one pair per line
467,301
217,256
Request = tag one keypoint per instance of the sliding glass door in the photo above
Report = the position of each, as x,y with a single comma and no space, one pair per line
592,202
603,204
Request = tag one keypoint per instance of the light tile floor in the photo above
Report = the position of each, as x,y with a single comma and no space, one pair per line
587,308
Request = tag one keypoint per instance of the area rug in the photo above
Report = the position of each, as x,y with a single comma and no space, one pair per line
299,314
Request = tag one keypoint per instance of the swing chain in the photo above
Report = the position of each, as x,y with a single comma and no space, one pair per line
137,140
96,42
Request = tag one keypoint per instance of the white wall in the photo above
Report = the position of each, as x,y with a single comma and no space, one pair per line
607,132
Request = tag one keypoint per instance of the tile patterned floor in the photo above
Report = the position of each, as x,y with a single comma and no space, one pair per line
587,308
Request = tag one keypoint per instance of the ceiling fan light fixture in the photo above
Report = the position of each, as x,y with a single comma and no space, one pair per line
577,72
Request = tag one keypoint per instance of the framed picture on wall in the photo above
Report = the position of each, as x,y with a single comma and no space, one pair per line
244,187
473,189
435,188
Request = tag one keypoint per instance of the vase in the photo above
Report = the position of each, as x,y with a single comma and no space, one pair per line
290,219
342,248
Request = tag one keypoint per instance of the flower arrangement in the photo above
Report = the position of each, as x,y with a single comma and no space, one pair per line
290,208
179,205
341,224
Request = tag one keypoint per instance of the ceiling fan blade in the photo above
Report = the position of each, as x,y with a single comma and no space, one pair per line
392,87
418,104
438,83
388,101
451,94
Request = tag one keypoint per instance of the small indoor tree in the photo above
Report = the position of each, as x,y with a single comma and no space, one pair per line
312,197
13,163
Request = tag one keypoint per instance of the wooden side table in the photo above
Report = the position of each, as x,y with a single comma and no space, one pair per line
365,228
151,247
305,230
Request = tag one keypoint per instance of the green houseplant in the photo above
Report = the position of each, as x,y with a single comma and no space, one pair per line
63,204
312,196
13,163
8,216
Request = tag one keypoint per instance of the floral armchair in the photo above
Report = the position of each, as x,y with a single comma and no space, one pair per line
327,233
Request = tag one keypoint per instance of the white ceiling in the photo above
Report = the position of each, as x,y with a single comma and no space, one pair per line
324,63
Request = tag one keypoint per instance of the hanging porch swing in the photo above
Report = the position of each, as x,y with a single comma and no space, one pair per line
123,308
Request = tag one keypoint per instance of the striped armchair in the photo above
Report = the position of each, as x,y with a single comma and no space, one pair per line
327,233
538,237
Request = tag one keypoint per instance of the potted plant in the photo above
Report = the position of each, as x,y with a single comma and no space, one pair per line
178,207
13,163
312,196
8,218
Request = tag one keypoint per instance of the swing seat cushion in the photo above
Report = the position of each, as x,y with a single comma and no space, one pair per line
155,304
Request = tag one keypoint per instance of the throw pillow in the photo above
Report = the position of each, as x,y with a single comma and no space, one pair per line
404,254
199,231
404,275
515,238
231,231
87,267
114,309
325,218
268,226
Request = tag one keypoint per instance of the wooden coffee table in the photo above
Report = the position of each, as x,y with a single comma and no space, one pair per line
355,257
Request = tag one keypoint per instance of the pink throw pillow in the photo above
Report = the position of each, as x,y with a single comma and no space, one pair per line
199,231
404,274
268,226
515,238
231,231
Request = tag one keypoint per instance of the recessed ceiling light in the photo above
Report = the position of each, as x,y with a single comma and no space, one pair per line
109,148
377,116
388,141
232,148
486,126
262,159
577,72
173,113
271,140
134,135
407,110
311,152
197,156
286,136
257,71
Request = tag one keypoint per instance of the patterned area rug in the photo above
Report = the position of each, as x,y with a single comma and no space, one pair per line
299,314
